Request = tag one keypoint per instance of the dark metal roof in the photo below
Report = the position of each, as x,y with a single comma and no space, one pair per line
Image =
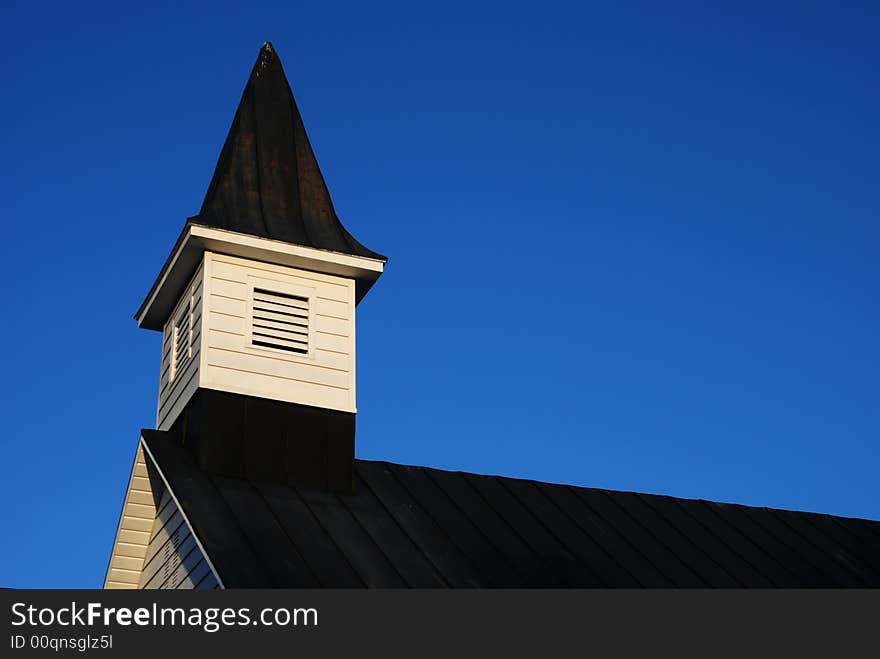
419,527
267,182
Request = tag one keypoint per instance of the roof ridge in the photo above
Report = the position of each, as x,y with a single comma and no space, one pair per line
613,491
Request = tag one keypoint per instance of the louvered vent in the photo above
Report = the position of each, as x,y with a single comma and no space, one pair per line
280,320
182,340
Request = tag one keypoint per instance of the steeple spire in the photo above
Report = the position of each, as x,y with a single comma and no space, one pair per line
267,181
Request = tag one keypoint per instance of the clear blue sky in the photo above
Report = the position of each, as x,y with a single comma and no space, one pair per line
632,246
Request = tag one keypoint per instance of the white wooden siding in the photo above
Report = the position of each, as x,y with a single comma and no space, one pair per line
324,377
133,532
178,382
154,545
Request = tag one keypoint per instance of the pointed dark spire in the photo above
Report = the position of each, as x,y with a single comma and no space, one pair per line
267,182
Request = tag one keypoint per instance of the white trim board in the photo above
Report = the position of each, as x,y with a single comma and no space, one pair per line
196,239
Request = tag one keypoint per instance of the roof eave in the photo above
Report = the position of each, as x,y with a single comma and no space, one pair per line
195,239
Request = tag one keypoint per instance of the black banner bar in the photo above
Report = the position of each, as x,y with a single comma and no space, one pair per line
539,623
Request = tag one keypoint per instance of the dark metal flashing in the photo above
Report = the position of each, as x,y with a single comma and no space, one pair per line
270,441
418,527
267,181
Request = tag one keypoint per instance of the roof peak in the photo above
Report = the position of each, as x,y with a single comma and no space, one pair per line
267,181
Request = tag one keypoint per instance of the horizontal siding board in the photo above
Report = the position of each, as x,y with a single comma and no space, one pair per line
130,549
268,366
208,582
144,511
134,537
334,326
124,576
234,290
169,389
181,380
331,342
179,397
163,549
196,575
332,288
142,497
332,308
223,322
255,384
166,522
140,483
169,531
228,306
127,563
169,560
164,512
183,563
137,523
164,500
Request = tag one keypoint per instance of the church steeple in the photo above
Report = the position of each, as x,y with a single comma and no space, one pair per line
256,305
267,182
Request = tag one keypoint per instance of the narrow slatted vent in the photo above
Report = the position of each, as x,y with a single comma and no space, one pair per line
182,349
280,320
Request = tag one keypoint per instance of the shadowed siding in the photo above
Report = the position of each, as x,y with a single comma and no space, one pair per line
173,560
176,386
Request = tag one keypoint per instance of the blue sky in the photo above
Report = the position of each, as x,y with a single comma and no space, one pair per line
632,245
